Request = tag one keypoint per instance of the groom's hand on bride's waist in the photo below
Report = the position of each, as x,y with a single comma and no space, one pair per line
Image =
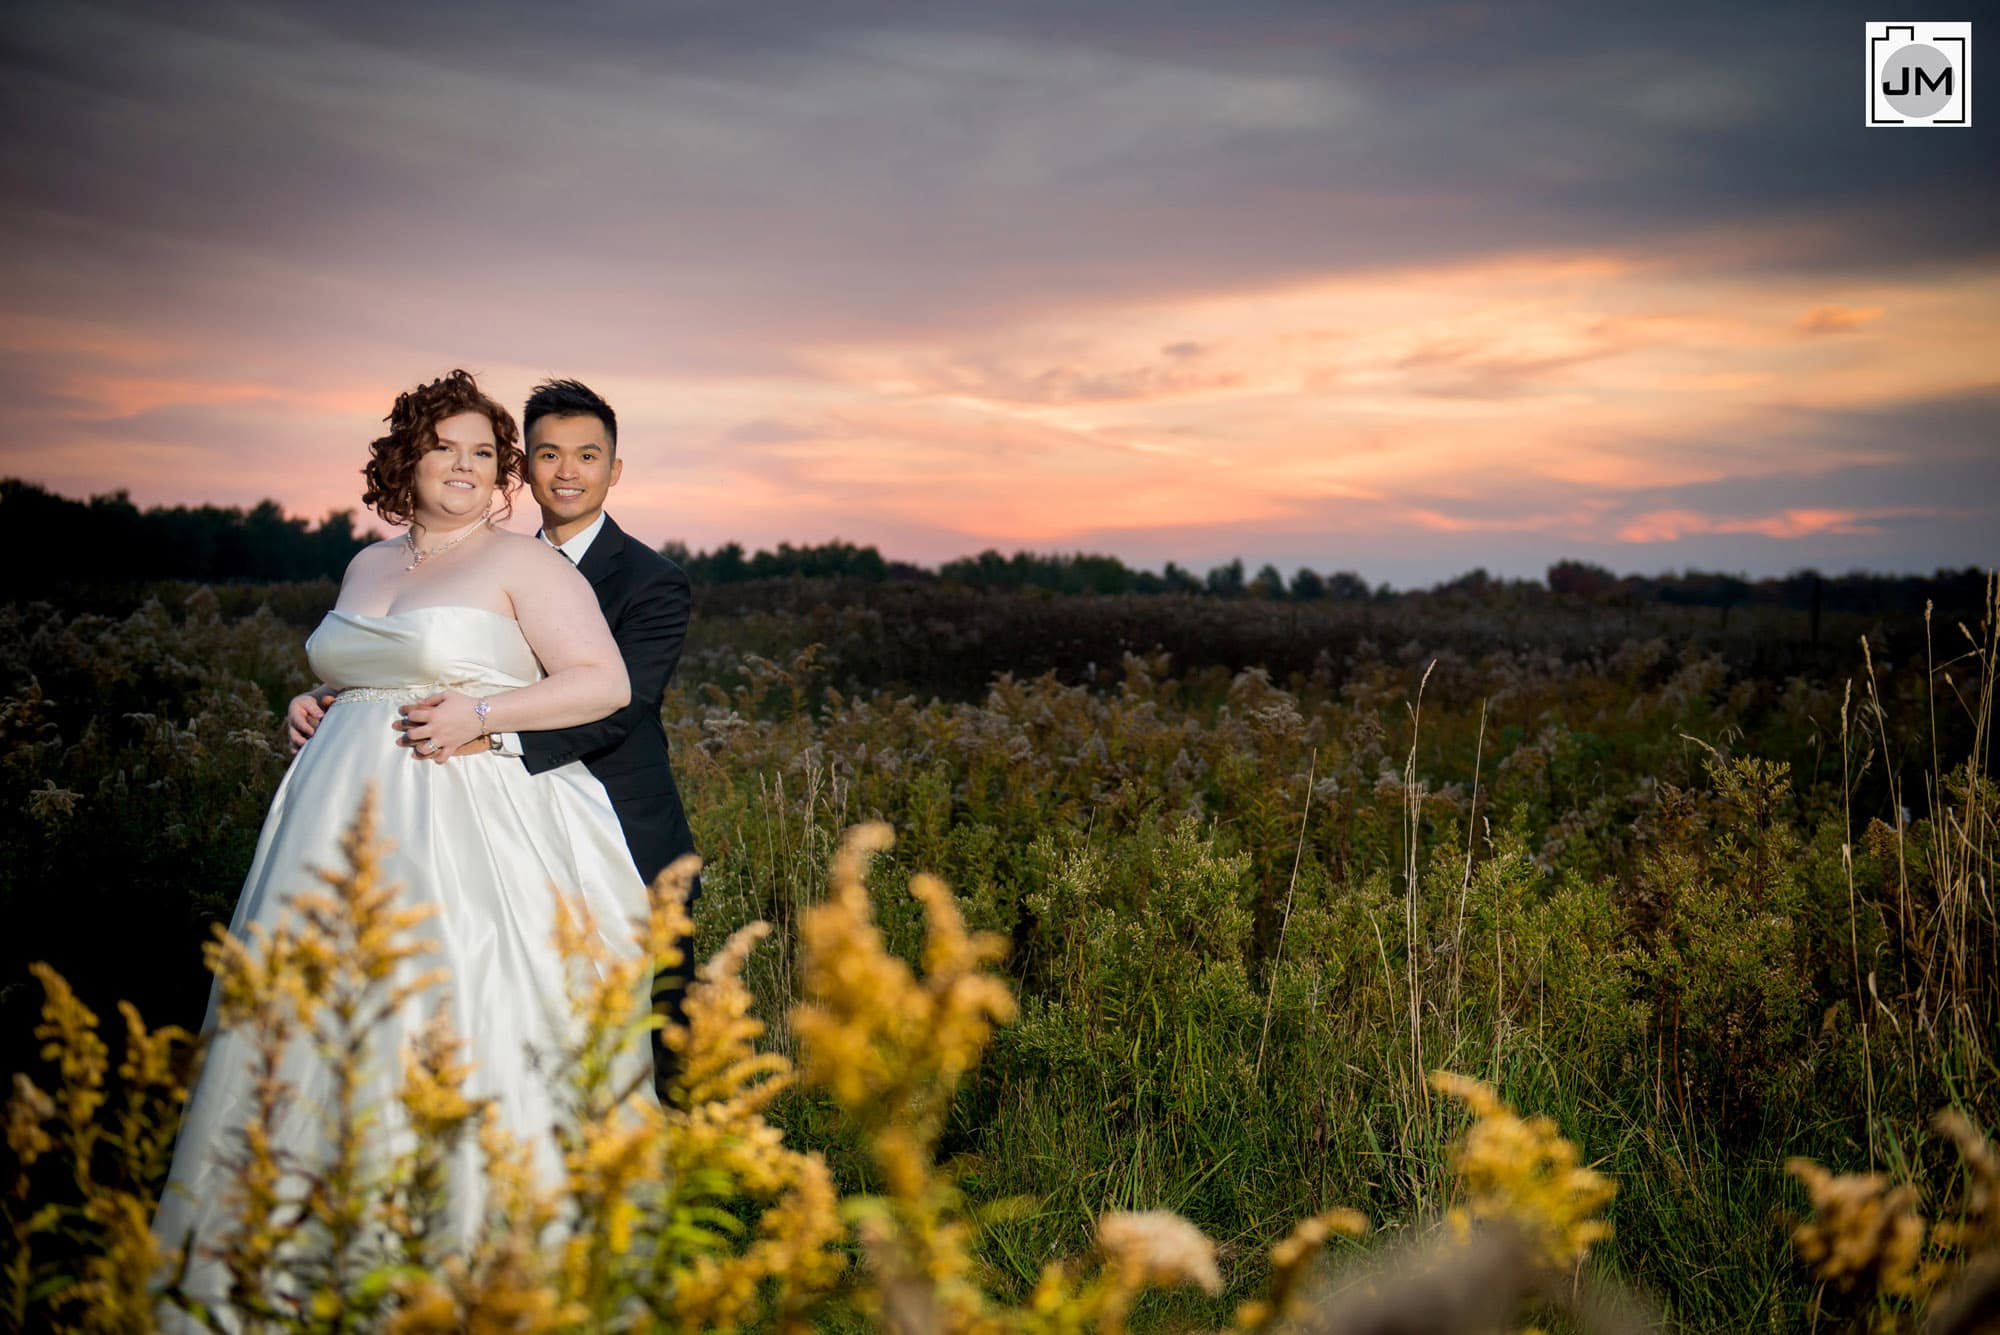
303,715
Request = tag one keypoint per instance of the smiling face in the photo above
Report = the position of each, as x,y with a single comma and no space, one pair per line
454,478
571,468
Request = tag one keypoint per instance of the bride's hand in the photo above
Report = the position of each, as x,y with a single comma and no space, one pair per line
436,728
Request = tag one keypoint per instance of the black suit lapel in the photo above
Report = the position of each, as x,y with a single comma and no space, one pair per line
606,554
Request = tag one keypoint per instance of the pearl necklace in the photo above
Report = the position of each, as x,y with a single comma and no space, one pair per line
419,555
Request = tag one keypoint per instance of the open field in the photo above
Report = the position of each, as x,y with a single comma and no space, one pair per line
1707,891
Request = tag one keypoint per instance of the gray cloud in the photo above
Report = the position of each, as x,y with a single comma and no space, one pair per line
1942,455
853,172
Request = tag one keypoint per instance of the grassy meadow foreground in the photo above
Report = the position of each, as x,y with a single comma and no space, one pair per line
1710,897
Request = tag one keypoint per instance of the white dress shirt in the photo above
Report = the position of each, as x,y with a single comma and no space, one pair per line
578,544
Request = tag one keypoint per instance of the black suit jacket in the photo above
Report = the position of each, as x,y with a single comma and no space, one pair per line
646,602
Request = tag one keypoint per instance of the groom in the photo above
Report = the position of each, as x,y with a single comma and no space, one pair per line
572,447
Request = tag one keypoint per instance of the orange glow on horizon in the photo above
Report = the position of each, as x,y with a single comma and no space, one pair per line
1540,394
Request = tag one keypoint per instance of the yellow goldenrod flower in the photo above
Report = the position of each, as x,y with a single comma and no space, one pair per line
1864,1233
1525,1172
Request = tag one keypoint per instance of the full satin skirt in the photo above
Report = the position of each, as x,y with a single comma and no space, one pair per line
487,847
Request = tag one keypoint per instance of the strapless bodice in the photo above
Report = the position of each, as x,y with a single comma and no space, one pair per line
421,649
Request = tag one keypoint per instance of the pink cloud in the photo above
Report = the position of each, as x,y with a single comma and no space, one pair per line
1672,525
49,336
118,396
1177,375
1437,521
1837,319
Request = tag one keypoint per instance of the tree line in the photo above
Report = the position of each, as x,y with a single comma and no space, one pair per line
1951,591
50,539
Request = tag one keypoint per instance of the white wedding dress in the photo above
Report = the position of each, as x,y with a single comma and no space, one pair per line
479,840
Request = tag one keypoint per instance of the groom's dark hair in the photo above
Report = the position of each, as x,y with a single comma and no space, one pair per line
569,398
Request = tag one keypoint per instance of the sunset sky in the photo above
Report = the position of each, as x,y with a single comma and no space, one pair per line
1383,287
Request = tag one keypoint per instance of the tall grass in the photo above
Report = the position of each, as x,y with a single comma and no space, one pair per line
1671,907
1707,920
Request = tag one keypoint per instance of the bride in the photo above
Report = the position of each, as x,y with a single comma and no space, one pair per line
509,627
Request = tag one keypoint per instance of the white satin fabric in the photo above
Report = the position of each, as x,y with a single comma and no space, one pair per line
479,839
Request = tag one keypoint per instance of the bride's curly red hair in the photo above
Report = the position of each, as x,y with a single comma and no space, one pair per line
392,460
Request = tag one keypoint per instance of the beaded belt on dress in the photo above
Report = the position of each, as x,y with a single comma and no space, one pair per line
397,695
